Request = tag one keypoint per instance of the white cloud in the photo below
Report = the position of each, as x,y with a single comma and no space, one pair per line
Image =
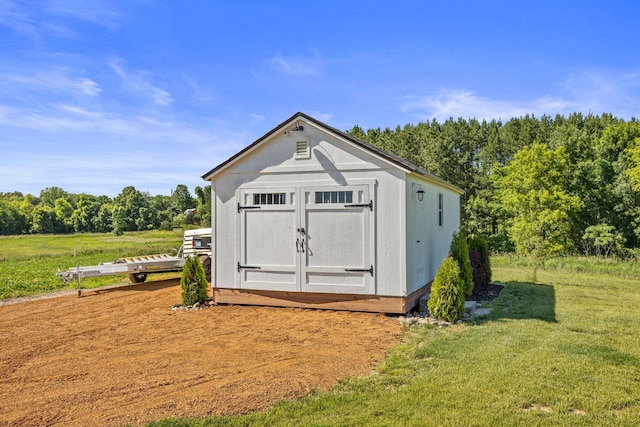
602,90
52,17
466,104
296,66
198,93
103,13
256,118
323,117
586,91
11,17
56,79
137,81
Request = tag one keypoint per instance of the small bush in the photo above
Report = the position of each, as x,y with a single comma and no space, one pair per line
480,261
447,293
194,282
460,253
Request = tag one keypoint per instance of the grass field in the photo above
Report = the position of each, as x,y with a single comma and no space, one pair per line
562,351
28,264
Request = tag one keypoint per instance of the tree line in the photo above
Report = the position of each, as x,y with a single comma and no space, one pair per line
57,211
541,186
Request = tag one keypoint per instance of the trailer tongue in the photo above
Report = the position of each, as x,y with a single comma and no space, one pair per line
136,267
196,243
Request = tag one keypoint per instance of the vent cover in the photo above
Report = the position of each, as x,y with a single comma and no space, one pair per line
302,149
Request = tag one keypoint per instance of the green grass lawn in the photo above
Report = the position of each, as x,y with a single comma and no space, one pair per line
562,351
28,264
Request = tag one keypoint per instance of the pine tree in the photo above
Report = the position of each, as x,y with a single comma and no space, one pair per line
460,253
446,301
194,282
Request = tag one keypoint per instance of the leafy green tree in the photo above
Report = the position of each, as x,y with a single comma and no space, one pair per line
64,212
119,220
103,222
204,205
193,282
633,171
145,220
12,221
601,239
618,200
86,209
131,201
161,206
446,301
182,199
49,195
43,220
541,210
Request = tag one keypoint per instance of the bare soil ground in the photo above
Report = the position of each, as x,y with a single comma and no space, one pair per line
121,356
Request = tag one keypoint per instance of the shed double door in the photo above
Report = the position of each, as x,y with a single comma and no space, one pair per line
308,239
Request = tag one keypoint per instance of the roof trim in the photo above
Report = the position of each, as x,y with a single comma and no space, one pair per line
396,161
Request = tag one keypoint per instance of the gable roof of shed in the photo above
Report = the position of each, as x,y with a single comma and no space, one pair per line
397,161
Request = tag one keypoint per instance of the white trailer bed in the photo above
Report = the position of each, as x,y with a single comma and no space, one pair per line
136,267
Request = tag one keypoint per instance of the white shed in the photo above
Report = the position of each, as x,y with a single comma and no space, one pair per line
309,216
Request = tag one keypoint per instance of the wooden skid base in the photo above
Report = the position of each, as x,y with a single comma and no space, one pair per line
348,302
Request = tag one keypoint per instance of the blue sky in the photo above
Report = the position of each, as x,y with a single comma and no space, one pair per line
96,95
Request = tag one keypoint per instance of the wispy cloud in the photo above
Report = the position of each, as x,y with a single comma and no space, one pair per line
464,103
606,90
99,12
13,18
52,17
586,91
55,79
138,82
323,117
297,66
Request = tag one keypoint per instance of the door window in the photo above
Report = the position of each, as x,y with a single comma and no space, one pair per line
269,199
325,197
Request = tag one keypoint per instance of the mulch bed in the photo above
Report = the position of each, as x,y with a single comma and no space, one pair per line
486,294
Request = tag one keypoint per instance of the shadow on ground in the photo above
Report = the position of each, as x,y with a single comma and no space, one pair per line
153,285
525,300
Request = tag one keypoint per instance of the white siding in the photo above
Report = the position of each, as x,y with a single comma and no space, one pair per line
399,221
428,242
331,163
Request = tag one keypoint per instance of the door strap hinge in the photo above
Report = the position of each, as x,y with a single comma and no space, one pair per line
360,270
240,207
247,267
362,205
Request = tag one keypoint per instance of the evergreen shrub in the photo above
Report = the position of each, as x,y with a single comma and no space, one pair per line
480,261
446,301
460,253
194,282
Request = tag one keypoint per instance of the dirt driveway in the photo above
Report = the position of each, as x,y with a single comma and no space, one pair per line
122,356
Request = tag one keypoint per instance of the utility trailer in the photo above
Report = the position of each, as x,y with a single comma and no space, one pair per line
195,243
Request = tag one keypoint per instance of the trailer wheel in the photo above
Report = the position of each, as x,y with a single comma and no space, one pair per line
206,265
138,277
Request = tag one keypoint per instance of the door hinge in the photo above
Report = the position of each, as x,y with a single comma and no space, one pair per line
360,270
247,267
361,205
240,207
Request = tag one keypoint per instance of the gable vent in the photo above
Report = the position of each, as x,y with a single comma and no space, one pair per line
302,149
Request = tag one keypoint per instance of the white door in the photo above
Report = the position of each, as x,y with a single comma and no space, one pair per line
267,258
339,240
308,239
